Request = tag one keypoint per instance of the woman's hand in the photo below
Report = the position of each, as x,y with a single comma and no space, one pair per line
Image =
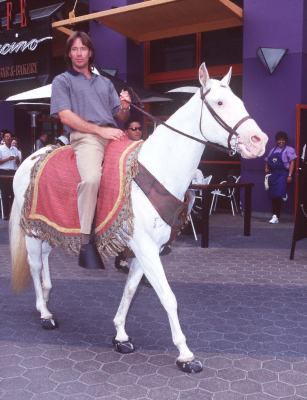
289,179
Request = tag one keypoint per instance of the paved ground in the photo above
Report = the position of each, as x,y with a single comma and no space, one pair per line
242,304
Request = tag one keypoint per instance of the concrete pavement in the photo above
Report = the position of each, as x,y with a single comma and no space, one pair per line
242,305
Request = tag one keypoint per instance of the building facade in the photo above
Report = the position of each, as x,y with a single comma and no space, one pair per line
161,65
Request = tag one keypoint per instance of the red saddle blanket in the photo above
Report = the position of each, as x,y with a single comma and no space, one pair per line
50,211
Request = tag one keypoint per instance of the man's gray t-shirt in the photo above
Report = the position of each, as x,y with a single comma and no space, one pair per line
94,100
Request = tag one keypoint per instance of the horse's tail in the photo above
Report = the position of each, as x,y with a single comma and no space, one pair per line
20,266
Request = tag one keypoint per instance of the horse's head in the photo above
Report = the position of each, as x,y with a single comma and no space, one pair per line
228,123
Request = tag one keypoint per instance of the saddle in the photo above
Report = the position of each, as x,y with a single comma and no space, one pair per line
50,209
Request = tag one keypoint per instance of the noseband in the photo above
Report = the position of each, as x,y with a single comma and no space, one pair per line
232,132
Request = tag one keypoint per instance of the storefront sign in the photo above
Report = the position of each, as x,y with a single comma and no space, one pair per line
15,47
25,45
18,71
12,8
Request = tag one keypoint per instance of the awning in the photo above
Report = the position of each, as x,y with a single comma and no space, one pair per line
144,95
156,19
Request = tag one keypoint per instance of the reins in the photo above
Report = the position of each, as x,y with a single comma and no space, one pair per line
204,142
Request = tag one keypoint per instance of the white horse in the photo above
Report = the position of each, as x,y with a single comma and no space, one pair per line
173,159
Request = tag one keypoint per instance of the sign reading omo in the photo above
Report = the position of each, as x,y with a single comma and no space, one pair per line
13,8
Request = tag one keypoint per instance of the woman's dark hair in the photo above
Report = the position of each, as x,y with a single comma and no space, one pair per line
86,41
130,120
281,135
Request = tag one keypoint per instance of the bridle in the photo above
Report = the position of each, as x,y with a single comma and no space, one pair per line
232,132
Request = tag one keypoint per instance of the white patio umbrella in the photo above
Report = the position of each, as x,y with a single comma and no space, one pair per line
43,92
184,89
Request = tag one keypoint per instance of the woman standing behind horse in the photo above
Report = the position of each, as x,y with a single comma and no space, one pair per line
280,164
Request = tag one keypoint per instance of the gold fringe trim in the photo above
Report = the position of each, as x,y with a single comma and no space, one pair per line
109,243
114,240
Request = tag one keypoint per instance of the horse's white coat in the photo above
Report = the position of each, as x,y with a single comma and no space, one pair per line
172,159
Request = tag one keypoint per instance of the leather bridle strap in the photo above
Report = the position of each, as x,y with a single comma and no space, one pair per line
160,122
232,131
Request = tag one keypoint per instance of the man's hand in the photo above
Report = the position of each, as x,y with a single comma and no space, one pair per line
110,133
11,158
125,99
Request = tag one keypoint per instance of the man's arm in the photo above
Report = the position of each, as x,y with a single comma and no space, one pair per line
18,157
4,160
291,169
71,119
123,112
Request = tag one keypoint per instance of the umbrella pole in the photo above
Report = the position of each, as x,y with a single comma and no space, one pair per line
33,116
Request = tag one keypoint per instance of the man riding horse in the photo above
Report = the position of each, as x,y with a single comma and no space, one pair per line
89,105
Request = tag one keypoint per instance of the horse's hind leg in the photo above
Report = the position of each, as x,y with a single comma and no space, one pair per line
46,280
35,256
122,341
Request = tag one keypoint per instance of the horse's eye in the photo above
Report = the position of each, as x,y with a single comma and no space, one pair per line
220,103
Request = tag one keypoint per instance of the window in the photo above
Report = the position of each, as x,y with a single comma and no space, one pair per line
173,54
223,46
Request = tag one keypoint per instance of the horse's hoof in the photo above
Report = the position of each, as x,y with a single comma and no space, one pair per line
123,347
190,366
49,323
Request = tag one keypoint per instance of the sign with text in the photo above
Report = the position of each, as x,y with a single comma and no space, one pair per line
25,48
25,53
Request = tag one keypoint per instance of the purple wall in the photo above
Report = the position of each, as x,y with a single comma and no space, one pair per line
271,99
113,50
7,117
110,46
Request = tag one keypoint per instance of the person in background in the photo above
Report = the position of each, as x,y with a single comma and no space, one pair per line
42,141
279,164
62,140
9,162
89,106
15,144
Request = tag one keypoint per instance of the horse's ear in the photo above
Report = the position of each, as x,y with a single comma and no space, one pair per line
203,74
227,77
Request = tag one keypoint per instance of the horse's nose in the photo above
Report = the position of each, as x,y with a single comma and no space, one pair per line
255,139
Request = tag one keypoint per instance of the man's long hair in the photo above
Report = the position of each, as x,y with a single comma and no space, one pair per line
86,41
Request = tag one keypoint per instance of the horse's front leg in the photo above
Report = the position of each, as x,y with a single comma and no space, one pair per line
122,341
147,252
35,256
